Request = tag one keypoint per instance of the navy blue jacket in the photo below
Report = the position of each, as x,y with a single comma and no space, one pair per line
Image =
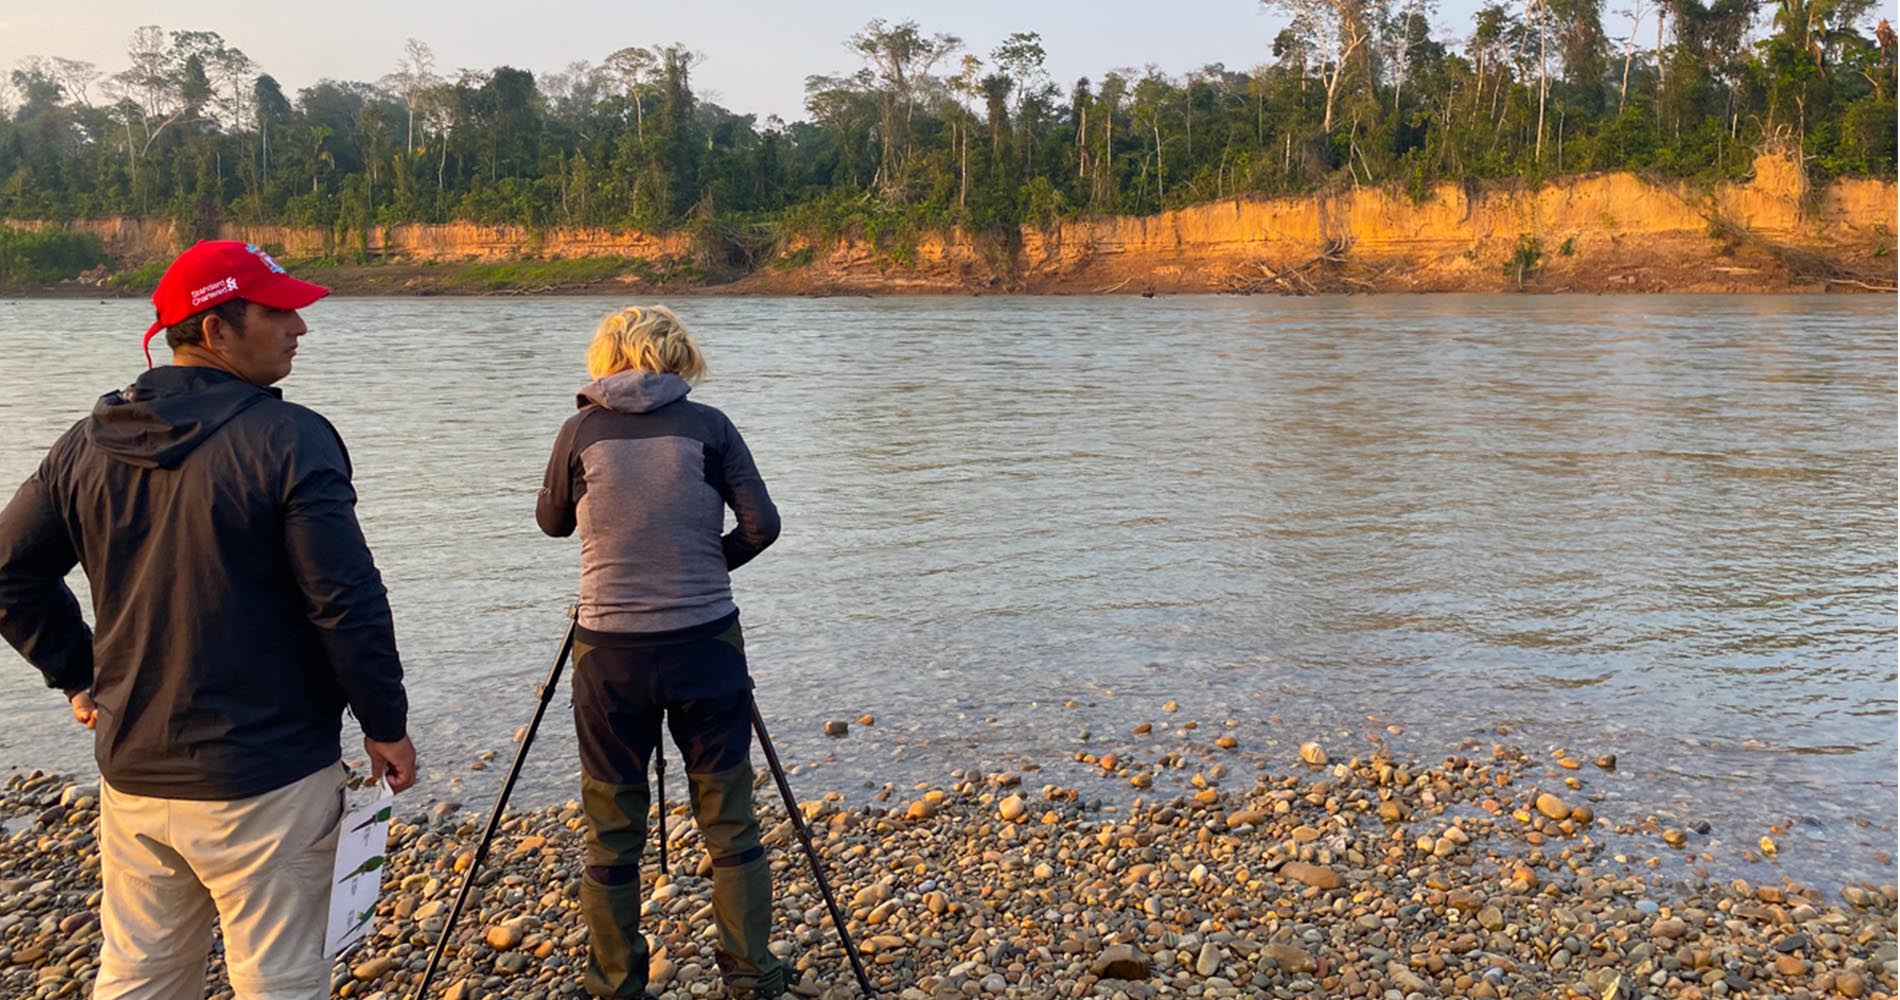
238,610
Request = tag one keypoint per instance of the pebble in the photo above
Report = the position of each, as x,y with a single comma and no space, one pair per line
502,937
1000,884
1314,875
1289,957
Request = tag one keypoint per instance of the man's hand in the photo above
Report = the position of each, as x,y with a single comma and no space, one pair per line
397,760
84,711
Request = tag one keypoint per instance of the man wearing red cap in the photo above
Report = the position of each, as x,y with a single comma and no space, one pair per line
237,614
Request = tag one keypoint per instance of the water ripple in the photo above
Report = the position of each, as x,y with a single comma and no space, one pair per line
1655,526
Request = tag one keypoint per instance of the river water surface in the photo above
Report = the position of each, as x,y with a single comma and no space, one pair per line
1661,527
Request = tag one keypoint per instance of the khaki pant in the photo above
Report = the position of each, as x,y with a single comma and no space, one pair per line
263,865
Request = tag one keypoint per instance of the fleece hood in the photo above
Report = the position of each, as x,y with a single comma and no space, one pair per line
168,412
633,392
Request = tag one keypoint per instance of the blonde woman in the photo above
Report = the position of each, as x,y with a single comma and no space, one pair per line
646,475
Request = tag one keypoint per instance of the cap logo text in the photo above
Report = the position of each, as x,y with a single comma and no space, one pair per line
214,290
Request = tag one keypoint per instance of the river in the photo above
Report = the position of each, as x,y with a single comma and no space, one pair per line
1661,527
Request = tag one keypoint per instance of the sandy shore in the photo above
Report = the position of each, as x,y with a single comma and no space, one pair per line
1482,875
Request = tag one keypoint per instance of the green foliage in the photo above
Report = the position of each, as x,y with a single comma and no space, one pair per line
1525,258
527,275
1043,203
1881,239
793,259
141,279
30,257
911,135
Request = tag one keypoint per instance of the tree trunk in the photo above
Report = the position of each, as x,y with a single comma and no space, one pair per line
1622,96
1629,54
963,193
1081,146
1161,170
1332,87
1477,96
1661,15
1543,79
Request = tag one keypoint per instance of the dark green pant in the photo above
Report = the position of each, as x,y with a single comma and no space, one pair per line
624,687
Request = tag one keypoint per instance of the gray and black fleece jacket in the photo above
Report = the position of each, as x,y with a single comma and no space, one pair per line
237,609
647,476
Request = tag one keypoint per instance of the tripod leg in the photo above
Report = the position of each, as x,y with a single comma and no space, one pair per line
546,694
659,781
811,853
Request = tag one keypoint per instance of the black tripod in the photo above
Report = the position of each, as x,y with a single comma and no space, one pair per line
545,694
804,838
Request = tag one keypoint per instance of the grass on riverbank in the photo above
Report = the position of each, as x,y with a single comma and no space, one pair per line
529,275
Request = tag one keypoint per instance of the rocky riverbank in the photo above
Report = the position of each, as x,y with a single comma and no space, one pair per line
1487,874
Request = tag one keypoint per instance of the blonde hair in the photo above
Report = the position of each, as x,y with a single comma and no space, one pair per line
648,339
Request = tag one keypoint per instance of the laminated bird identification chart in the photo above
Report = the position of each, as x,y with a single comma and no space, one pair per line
361,852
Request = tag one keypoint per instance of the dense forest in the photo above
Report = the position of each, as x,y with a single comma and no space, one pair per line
915,130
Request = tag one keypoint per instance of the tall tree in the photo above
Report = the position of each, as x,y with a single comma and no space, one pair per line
413,77
633,70
900,58
1338,33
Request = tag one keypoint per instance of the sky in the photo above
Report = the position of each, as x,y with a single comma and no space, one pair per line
757,54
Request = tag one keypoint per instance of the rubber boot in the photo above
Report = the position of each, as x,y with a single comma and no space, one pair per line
742,882
617,951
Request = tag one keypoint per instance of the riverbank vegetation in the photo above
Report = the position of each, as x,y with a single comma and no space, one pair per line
29,257
915,131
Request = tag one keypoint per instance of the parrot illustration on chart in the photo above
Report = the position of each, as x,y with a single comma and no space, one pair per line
365,868
381,816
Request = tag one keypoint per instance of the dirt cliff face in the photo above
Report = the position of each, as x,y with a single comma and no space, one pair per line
1610,232
1598,233
453,242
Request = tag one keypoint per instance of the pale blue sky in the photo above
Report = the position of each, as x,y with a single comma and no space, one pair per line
757,54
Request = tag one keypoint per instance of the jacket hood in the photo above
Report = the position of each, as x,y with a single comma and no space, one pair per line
160,418
633,392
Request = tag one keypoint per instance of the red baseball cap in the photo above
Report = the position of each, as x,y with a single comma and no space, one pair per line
214,271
